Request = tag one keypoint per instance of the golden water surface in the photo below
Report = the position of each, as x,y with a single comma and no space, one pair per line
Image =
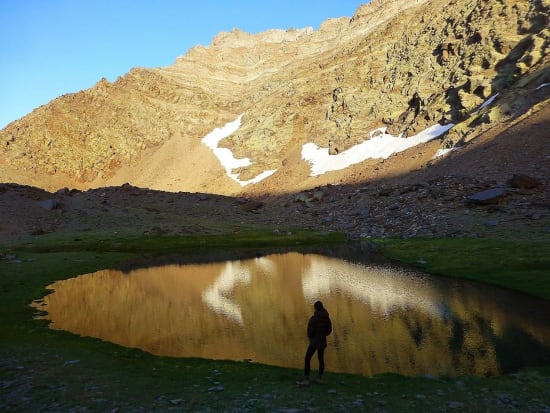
385,319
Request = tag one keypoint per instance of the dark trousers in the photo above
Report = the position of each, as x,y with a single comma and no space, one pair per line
320,356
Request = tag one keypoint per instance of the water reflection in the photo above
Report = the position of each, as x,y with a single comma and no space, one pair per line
385,320
216,295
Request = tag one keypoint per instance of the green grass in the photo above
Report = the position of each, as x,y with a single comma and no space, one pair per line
175,243
519,265
47,370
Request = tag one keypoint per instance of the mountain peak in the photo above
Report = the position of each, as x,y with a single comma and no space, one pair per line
458,66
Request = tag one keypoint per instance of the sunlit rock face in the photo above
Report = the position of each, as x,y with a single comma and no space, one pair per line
403,65
385,320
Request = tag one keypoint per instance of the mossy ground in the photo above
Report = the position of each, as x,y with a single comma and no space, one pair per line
519,265
47,370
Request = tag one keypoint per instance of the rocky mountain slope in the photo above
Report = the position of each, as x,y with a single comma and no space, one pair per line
400,64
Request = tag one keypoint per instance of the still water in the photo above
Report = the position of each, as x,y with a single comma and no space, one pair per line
385,319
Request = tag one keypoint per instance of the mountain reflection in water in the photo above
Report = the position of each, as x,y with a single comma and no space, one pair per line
385,319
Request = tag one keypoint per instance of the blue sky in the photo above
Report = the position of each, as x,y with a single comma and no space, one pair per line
52,47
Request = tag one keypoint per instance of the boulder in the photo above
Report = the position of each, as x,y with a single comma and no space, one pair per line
523,182
252,206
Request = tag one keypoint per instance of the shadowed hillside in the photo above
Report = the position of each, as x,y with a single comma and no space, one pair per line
435,200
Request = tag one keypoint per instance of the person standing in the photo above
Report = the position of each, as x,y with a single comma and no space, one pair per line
318,328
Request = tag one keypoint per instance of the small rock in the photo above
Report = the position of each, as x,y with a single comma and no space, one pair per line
301,197
318,194
215,389
48,204
6,384
63,191
504,398
156,230
364,212
455,405
489,196
70,363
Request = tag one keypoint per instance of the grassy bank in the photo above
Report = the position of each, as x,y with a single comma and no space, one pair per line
522,266
46,370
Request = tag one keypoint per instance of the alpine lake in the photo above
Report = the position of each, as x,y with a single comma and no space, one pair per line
386,318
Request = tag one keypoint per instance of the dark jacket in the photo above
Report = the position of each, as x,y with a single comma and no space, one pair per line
318,328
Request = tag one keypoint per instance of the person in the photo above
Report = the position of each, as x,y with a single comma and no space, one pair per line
318,328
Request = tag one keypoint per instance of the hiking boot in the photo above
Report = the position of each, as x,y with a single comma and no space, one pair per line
319,380
304,382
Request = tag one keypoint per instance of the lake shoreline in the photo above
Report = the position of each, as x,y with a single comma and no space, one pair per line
44,369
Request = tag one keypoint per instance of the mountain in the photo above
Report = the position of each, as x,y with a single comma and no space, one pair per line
467,68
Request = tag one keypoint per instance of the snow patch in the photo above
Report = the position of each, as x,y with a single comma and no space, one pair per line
226,157
443,152
381,146
487,102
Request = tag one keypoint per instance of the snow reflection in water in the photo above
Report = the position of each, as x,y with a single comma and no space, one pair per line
385,319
